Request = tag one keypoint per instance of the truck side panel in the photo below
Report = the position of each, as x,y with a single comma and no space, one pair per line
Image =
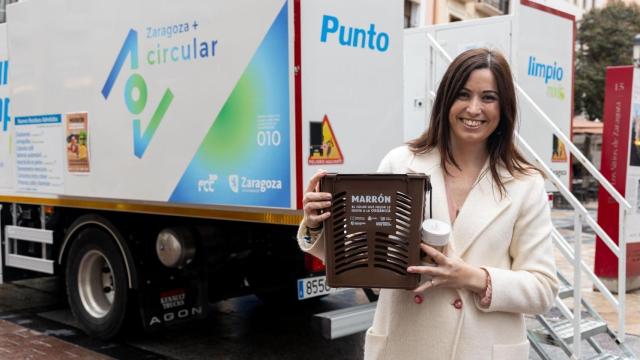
351,84
6,160
154,101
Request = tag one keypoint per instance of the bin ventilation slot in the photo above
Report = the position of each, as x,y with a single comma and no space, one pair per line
392,253
338,213
351,252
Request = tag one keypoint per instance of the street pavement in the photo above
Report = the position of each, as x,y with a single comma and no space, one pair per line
18,342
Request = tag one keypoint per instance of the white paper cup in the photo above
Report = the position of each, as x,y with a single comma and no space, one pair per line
435,233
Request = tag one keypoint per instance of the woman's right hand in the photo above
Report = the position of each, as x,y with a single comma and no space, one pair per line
313,201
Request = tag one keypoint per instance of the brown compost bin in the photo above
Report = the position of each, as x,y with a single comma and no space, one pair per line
373,233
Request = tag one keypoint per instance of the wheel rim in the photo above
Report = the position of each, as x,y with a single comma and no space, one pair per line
95,284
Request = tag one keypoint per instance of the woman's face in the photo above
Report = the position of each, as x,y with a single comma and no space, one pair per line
475,113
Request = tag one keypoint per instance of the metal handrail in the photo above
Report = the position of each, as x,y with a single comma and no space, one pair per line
582,213
577,285
577,295
563,245
618,250
576,152
572,148
577,205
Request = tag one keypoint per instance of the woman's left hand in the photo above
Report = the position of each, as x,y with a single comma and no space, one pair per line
451,272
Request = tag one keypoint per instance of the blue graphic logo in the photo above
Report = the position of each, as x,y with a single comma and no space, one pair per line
4,102
4,71
545,71
135,94
548,72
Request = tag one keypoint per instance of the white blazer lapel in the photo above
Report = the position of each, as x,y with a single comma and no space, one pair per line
483,204
429,164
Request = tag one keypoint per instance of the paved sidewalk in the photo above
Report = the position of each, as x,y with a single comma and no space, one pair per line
17,342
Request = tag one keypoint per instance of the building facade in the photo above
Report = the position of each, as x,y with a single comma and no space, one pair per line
426,12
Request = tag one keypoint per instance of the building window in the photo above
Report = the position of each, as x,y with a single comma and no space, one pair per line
3,6
407,13
411,13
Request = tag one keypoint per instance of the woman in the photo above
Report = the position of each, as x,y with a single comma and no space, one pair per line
499,262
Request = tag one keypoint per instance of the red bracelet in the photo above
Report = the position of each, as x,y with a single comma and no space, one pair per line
485,301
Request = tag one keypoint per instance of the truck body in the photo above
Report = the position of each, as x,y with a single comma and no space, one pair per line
156,153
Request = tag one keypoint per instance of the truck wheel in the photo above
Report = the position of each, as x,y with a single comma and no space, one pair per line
97,284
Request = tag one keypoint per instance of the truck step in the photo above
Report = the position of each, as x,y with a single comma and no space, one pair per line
565,292
338,323
564,330
606,356
13,258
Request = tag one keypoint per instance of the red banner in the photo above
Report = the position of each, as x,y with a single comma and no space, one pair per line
616,143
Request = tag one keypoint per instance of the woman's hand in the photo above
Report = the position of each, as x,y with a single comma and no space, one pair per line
313,202
451,272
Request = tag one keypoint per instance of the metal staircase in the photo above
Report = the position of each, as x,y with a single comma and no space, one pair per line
569,328
556,328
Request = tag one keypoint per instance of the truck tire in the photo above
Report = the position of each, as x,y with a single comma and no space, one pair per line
97,287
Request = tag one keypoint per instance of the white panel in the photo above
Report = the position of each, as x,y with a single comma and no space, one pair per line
517,39
493,33
425,66
632,193
358,86
416,99
6,161
545,39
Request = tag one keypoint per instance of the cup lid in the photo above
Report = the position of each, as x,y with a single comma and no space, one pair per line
435,232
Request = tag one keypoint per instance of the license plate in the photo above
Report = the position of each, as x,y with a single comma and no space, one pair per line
314,286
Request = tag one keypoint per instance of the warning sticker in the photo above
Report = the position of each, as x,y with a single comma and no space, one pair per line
323,145
559,153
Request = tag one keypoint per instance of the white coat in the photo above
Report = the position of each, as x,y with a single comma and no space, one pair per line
509,235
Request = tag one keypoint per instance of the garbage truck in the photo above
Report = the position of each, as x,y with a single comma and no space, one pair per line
154,153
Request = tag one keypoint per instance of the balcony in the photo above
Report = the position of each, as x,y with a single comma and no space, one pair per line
492,7
3,6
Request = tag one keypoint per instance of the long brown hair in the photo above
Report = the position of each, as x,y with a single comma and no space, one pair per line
500,144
